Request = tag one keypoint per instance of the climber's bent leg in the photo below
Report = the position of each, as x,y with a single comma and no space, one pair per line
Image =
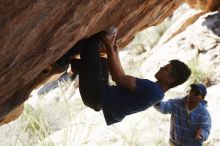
90,74
105,71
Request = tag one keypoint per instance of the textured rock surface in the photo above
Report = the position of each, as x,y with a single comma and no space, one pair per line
208,5
34,34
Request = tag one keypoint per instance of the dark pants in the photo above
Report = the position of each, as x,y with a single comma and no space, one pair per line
93,74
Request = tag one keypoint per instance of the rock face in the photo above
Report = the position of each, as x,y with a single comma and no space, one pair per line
35,34
198,45
207,5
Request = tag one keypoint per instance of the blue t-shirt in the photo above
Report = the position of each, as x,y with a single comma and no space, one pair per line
118,102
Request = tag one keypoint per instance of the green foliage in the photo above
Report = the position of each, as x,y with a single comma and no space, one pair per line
36,124
200,73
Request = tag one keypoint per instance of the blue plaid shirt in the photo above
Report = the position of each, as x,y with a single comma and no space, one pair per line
184,125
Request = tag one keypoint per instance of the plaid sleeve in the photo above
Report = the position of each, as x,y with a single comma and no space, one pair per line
205,125
165,107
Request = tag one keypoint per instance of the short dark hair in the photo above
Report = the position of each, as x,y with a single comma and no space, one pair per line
180,71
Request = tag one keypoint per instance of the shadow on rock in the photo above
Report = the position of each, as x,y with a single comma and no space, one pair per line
213,23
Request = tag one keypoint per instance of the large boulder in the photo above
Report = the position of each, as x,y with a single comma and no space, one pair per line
34,35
